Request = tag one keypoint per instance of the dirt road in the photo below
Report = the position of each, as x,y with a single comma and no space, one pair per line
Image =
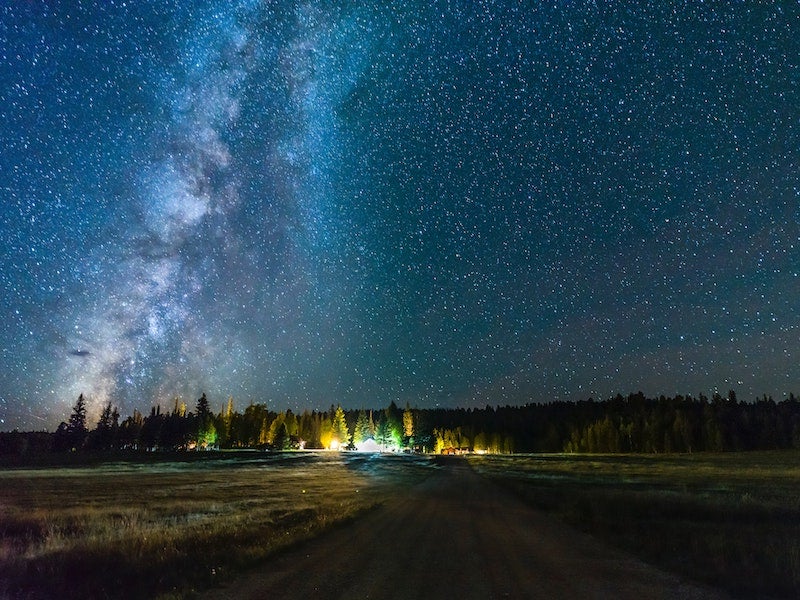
457,536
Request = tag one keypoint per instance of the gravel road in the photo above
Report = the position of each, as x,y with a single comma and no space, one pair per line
457,536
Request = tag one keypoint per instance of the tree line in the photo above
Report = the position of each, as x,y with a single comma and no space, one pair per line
633,423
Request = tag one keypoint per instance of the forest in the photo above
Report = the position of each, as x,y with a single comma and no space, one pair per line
623,424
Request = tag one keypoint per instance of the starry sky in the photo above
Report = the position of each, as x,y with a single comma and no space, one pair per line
443,202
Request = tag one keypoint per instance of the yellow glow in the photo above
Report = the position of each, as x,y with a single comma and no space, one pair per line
334,444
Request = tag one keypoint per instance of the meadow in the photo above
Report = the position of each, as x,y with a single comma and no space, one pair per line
169,526
165,528
729,520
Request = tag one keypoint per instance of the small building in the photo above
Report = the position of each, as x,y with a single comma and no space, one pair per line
452,451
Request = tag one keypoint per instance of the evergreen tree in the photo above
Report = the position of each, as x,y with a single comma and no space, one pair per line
151,430
308,429
325,431
292,425
207,436
180,407
408,422
361,432
101,437
176,432
206,430
281,441
438,441
263,432
480,444
130,431
274,427
76,427
202,409
373,428
104,422
227,419
388,432
341,435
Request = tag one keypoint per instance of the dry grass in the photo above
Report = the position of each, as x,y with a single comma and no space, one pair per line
136,530
729,520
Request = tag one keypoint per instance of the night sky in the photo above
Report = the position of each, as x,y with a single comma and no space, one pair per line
446,203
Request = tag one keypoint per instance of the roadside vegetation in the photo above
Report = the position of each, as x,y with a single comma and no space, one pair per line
728,520
146,529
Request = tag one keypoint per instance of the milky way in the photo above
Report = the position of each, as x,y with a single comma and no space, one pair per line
440,203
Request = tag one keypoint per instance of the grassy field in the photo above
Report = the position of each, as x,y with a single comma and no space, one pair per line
165,528
728,520
157,527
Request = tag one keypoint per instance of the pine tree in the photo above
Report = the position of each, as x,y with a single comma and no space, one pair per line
100,438
480,444
202,408
105,417
180,407
292,426
76,428
207,436
281,441
362,431
325,431
340,432
408,427
263,432
438,441
408,422
206,431
388,433
391,434
275,426
227,418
